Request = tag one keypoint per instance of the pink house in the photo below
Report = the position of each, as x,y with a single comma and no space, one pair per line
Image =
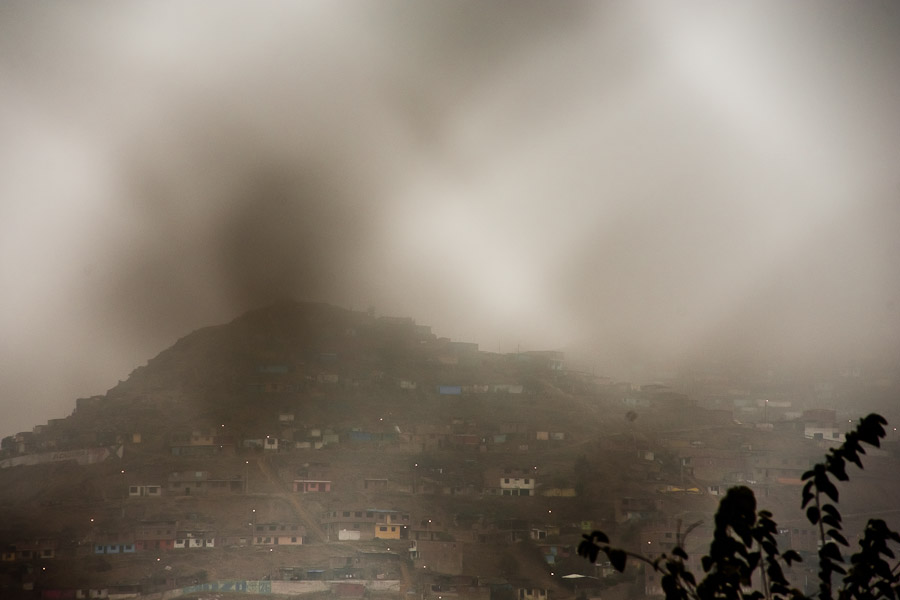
311,485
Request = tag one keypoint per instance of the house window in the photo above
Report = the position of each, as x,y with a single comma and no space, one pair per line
293,540
357,513
346,513
527,481
506,480
382,528
369,514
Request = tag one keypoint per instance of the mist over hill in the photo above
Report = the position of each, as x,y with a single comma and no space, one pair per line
659,187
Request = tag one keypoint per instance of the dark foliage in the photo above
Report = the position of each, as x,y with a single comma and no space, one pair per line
744,542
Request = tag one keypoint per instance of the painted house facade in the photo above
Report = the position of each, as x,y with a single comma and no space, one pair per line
114,542
278,534
365,524
192,537
145,490
516,482
155,535
306,486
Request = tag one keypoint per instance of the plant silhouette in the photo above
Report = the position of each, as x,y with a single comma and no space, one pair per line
744,544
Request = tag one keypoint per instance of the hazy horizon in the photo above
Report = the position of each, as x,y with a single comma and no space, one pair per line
641,182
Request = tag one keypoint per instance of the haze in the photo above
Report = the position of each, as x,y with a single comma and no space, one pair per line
649,183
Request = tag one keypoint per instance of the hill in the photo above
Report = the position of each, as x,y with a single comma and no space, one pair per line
308,444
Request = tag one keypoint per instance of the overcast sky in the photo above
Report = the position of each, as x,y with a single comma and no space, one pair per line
657,181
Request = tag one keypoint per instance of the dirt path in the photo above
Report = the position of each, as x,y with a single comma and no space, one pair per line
310,522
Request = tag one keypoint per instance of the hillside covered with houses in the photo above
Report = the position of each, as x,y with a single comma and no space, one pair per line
305,449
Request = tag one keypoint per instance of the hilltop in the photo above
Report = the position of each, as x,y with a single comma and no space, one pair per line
323,363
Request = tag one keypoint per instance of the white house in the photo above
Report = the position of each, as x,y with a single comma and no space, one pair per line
828,434
195,539
145,490
516,482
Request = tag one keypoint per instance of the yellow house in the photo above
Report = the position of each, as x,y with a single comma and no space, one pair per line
391,527
387,531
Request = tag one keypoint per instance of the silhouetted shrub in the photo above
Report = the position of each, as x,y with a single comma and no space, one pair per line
744,542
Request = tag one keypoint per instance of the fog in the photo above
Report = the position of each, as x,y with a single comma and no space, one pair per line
648,183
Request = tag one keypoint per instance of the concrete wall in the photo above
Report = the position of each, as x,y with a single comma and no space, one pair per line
285,588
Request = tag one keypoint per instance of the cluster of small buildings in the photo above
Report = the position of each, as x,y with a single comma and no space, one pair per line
289,437
365,524
173,535
434,480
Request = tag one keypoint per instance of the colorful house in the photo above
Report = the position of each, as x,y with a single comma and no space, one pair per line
278,534
305,486
366,524
154,535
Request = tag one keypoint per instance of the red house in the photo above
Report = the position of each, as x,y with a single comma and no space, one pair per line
311,485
